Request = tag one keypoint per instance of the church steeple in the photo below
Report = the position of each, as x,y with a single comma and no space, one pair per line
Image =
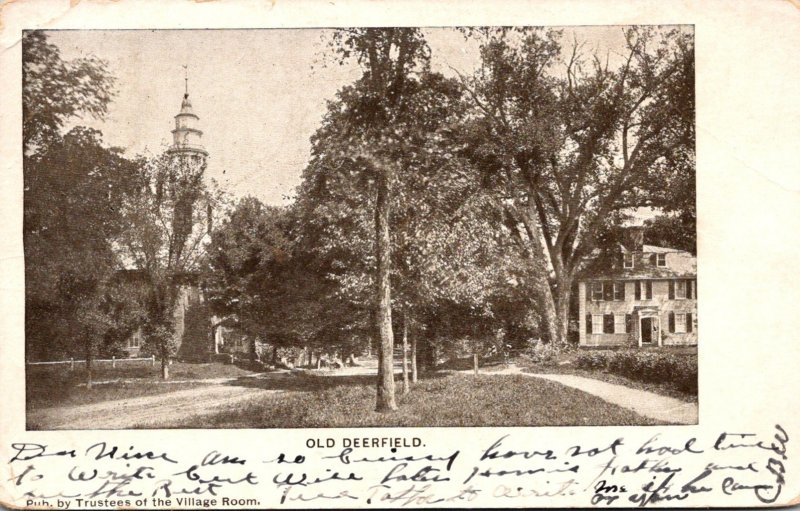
186,137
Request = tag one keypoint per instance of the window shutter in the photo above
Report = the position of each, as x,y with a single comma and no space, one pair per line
694,288
589,290
608,291
623,290
689,322
628,323
671,289
653,259
637,289
672,322
689,289
588,323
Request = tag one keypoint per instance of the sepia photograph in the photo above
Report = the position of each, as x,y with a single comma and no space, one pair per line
473,226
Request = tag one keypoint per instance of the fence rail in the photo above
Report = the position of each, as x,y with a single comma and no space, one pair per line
113,360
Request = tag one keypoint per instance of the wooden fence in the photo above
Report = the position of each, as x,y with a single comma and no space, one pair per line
114,361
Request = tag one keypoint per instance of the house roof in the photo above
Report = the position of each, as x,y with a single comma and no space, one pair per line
643,274
651,249
681,265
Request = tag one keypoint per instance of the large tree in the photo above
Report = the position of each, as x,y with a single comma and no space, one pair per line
567,139
73,185
246,256
168,221
380,128
55,90
71,219
376,176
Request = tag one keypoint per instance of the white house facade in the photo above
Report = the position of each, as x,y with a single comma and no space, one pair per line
646,297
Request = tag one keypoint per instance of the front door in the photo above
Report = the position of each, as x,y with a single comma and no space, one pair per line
647,330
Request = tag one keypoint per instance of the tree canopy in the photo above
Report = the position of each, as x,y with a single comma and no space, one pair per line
566,139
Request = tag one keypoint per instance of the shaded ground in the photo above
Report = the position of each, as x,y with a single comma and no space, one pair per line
657,407
136,397
56,386
443,401
500,396
147,411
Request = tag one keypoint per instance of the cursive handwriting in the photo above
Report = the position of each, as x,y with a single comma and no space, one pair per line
639,469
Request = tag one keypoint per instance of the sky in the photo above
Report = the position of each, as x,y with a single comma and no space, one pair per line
260,94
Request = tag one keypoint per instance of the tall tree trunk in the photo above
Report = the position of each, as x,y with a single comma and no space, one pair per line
164,363
385,400
88,363
538,258
413,358
253,350
274,354
406,386
563,292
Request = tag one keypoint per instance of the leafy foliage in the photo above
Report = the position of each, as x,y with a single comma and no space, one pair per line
168,220
71,219
565,140
679,371
54,89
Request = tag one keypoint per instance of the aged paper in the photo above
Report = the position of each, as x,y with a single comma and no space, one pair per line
254,387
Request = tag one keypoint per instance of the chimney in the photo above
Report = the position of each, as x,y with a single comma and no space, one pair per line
633,238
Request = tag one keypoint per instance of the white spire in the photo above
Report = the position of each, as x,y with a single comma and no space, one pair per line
186,135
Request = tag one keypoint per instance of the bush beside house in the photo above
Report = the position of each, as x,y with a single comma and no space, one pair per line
678,371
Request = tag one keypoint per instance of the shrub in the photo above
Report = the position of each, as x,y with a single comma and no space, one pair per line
539,352
678,371
592,360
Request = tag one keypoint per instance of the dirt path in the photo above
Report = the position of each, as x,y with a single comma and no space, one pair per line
648,404
219,393
206,399
141,411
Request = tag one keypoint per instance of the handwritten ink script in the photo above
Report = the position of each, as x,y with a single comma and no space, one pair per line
647,468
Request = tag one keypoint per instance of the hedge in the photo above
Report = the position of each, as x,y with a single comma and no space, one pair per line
679,371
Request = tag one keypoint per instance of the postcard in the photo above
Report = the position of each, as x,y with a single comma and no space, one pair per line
373,254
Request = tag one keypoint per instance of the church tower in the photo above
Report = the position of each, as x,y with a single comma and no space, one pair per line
186,165
186,137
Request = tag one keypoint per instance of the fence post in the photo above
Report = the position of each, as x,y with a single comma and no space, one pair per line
152,360
71,363
113,361
475,362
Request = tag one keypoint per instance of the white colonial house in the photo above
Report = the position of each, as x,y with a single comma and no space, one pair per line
646,296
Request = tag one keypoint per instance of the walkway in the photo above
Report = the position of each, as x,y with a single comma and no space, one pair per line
648,404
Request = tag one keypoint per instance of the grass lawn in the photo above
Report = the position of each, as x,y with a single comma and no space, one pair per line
48,386
451,400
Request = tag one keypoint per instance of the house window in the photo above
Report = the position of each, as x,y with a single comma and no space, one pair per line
680,289
680,323
135,340
619,291
643,290
597,323
619,323
597,291
661,260
608,323
627,260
